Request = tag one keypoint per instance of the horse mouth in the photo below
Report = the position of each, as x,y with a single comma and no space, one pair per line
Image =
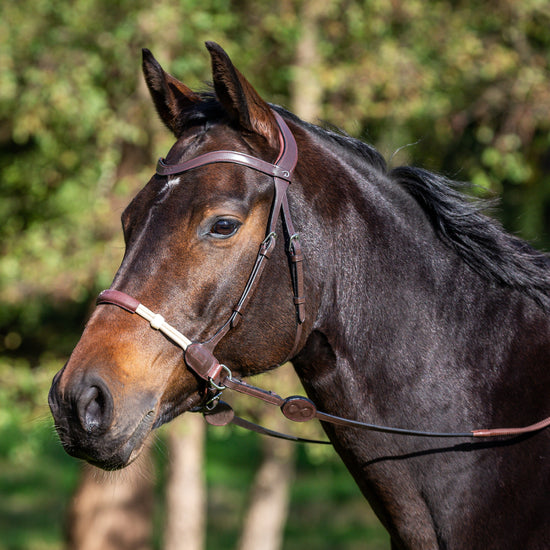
168,411
135,444
124,455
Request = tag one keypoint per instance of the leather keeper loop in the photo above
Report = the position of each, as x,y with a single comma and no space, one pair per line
236,317
214,372
202,361
267,246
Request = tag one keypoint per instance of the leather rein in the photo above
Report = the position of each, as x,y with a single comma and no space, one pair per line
199,357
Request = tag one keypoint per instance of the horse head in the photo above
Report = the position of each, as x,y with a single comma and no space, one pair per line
191,241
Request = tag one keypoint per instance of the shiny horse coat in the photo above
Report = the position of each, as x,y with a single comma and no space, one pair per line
420,312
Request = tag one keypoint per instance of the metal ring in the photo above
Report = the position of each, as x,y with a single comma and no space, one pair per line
212,403
215,386
219,387
229,373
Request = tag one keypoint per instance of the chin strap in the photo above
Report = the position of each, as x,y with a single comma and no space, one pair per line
296,408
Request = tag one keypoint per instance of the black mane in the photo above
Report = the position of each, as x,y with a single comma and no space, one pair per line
478,239
352,145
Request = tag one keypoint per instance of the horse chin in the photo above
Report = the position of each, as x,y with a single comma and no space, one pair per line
99,453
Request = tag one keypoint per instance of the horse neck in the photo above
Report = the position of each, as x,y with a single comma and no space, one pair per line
400,315
407,335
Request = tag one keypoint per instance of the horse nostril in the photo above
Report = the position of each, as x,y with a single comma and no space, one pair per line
94,409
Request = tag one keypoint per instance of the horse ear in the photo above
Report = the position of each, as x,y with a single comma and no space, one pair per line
240,99
172,98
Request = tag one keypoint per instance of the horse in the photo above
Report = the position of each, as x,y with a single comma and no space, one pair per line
399,303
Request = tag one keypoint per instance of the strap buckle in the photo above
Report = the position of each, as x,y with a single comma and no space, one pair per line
220,387
292,238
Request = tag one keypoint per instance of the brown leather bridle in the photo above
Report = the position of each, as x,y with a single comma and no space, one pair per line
199,357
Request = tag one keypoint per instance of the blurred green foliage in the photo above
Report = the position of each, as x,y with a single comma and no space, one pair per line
37,476
467,84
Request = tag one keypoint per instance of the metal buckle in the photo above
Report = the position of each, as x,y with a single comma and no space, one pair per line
267,240
212,403
220,387
295,237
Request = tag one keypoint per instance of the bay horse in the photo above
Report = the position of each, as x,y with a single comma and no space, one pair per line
399,303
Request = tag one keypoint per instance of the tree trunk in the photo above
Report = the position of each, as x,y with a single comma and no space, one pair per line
306,90
186,491
269,497
112,511
267,512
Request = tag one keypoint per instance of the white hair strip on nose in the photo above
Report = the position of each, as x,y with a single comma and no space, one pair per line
158,323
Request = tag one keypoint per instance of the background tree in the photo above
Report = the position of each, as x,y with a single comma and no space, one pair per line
185,523
112,512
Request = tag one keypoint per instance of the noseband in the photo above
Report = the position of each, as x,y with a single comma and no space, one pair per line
199,357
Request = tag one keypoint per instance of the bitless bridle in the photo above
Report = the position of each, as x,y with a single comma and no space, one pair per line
199,357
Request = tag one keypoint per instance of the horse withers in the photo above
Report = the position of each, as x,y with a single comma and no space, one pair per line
399,303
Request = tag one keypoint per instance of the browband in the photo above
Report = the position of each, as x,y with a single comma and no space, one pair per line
282,168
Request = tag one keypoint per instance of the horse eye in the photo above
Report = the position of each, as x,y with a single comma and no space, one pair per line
224,228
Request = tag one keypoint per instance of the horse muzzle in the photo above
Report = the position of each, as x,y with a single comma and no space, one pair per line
85,420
